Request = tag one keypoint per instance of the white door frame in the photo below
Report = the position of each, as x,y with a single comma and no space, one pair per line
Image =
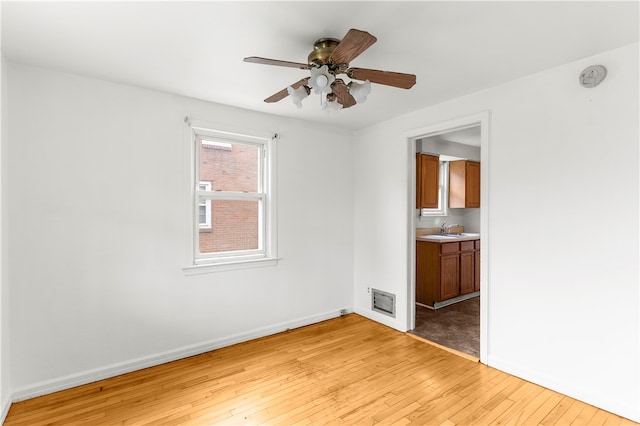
482,119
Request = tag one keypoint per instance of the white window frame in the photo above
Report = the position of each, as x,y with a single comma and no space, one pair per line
266,253
443,194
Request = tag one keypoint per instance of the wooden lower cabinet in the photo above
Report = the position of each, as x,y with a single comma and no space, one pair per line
476,264
446,270
467,267
449,276
467,273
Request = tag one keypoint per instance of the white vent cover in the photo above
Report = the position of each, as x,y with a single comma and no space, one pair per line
383,302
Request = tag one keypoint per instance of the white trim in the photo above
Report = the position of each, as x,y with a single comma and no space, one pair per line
229,265
266,196
482,119
93,375
394,323
6,406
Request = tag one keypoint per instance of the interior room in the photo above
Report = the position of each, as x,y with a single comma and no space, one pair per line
111,110
447,308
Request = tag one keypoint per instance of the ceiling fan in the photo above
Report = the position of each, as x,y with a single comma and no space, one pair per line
329,58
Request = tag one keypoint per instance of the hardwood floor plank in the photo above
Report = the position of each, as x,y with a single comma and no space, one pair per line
349,370
585,415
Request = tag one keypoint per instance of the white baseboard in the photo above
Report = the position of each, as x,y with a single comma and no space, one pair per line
6,405
382,319
597,399
90,376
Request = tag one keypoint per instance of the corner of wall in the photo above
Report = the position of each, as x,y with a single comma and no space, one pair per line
5,394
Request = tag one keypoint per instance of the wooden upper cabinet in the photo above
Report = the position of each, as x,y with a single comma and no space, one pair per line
464,184
427,181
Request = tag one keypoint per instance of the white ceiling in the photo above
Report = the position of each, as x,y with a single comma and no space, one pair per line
196,48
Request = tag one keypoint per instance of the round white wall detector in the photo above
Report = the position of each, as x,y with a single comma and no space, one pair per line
592,76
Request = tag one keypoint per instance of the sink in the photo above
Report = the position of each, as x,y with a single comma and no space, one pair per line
453,236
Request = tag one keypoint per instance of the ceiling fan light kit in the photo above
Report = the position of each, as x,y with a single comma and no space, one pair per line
360,91
321,80
297,95
330,57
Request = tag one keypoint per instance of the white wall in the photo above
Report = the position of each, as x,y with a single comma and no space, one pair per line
563,297
469,218
99,224
4,311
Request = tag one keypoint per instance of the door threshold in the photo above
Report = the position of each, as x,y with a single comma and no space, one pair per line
437,345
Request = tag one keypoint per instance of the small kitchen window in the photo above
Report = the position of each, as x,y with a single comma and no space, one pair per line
443,193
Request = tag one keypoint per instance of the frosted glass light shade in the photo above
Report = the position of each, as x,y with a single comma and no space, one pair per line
360,91
321,80
332,106
297,95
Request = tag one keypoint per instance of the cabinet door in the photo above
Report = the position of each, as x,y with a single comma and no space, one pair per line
473,184
449,276
422,268
427,181
464,184
467,272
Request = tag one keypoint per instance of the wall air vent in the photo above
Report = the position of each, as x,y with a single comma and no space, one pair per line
383,302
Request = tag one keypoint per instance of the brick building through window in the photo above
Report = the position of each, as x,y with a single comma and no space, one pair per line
228,225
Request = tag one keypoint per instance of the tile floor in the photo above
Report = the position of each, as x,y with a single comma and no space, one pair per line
456,326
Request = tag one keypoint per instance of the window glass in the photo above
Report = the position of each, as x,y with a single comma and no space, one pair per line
204,207
229,166
235,227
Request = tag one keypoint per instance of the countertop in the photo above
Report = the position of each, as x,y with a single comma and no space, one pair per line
448,239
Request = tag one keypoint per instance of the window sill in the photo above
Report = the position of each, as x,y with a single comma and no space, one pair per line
209,268
431,214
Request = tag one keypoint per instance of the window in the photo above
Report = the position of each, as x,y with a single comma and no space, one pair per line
233,195
443,193
204,207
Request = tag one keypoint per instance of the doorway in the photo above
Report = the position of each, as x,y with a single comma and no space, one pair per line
459,323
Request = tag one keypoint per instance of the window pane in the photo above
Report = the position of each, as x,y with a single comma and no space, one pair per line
229,167
202,215
235,226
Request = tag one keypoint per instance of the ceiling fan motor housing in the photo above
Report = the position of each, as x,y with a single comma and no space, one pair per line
321,54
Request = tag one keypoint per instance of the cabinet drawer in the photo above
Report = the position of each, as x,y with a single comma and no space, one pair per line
449,247
467,245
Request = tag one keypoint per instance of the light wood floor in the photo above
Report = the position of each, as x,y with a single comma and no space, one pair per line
349,370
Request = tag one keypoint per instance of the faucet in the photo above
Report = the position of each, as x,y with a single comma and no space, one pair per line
444,230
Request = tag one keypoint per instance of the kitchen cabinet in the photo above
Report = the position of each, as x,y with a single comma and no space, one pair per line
467,267
464,184
427,181
476,281
445,270
449,271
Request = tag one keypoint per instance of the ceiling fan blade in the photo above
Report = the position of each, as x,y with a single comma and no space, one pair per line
342,94
353,44
284,92
395,79
267,61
